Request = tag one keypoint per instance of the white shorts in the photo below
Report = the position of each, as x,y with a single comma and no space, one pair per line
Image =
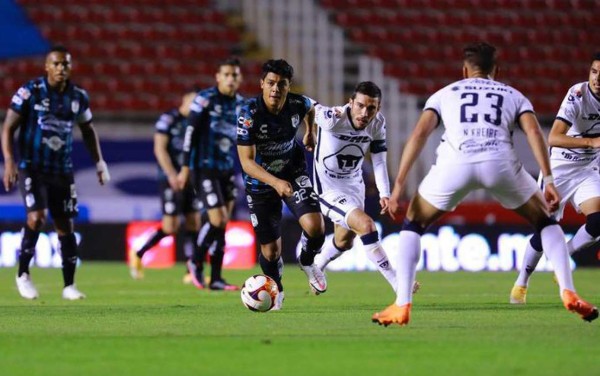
446,185
337,204
575,186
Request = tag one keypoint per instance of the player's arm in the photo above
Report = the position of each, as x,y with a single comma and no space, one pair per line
382,180
161,143
414,145
537,143
197,107
90,139
558,137
11,124
247,155
309,137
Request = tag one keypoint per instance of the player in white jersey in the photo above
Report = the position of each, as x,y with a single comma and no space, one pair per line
476,152
575,146
345,135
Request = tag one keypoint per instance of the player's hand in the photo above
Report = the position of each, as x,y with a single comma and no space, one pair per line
173,180
309,141
102,172
384,202
283,188
395,205
10,175
552,197
181,179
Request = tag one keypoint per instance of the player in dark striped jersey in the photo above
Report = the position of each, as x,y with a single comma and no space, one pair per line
209,147
45,110
275,170
168,149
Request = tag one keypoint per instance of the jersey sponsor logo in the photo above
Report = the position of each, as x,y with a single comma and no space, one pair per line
275,149
17,100
355,139
75,106
246,122
55,143
52,124
276,166
264,128
295,120
24,93
224,145
303,181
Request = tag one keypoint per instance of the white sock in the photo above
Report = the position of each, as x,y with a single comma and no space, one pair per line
329,252
406,265
553,243
377,255
530,261
579,240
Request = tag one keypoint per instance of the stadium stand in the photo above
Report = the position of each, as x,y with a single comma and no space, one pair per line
133,55
544,45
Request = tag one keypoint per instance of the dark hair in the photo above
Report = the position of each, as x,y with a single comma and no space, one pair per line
481,55
59,48
595,56
280,67
367,88
232,60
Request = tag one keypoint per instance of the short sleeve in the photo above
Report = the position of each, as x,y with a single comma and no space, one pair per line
20,100
164,122
245,127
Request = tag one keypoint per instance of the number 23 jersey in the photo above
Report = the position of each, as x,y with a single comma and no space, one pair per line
479,116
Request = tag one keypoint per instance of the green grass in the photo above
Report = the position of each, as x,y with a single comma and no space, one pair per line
461,325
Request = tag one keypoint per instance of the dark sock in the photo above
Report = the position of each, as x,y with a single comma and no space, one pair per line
27,252
271,269
310,247
206,237
68,249
216,258
189,244
158,235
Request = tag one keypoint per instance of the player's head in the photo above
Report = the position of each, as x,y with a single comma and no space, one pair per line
229,76
58,65
364,103
275,82
186,101
479,59
595,74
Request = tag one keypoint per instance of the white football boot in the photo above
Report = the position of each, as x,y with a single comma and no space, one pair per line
71,293
26,287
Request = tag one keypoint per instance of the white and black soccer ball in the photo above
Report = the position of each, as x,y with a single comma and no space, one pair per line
259,293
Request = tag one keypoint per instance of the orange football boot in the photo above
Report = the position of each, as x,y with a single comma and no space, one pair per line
393,314
574,303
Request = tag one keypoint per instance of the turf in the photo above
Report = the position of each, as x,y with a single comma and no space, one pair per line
461,325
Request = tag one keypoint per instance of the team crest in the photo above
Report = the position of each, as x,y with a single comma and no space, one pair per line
75,106
295,120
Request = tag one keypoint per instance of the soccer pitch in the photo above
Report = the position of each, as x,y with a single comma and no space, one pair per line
461,325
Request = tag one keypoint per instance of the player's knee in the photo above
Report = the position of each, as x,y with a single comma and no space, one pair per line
366,227
413,226
592,224
36,220
543,223
536,242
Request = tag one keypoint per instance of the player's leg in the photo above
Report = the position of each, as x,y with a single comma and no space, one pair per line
420,215
342,241
441,191
229,192
589,233
364,226
62,204
35,198
190,236
533,254
552,236
265,215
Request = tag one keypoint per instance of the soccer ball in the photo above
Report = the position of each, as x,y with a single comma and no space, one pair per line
259,293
